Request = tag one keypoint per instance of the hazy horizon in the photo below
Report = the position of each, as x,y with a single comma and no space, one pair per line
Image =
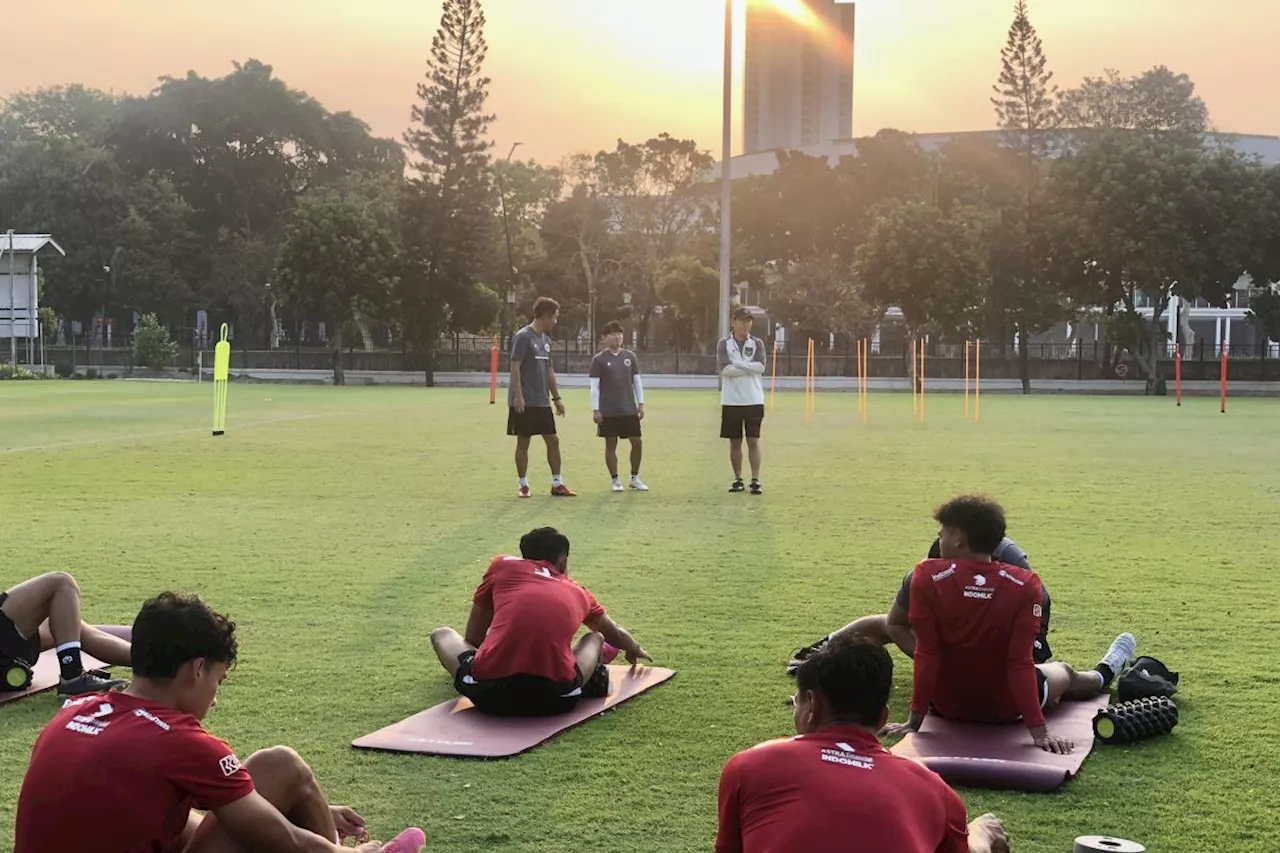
576,75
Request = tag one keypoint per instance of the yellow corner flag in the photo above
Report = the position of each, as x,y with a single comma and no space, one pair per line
221,370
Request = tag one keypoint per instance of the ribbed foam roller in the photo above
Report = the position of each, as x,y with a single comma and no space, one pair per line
1136,720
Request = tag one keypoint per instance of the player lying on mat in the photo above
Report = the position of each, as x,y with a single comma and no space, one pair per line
123,770
834,788
518,657
895,626
44,613
975,623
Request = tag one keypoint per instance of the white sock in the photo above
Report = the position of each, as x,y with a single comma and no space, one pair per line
614,477
524,482
555,479
62,648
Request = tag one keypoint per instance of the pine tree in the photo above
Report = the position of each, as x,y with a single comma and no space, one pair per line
1024,102
445,208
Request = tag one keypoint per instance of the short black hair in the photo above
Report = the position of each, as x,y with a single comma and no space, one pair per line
854,673
743,314
544,305
172,629
611,327
981,519
544,543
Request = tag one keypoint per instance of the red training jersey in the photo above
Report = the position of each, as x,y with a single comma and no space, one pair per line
976,623
836,791
536,611
114,772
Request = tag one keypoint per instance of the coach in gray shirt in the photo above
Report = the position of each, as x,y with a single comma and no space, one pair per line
617,402
531,392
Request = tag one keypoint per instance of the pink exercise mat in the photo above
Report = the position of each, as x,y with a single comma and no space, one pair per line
457,728
1003,756
46,672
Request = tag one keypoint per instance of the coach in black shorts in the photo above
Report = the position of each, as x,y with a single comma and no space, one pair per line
617,403
531,392
740,361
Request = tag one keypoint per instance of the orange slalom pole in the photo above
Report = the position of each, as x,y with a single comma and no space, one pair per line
773,375
1177,372
915,401
922,374
977,381
493,371
1223,392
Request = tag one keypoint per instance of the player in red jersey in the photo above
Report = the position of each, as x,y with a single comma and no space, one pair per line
976,622
44,613
518,657
834,789
123,770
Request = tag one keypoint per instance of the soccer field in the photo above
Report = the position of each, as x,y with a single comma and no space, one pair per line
339,526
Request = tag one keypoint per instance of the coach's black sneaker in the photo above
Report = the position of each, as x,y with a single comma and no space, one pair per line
737,486
756,488
88,682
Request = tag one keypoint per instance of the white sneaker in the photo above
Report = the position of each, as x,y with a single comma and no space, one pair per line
638,486
617,486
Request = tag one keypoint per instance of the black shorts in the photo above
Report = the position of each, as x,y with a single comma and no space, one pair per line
619,426
737,420
517,695
534,420
12,644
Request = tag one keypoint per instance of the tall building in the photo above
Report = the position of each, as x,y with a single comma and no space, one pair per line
798,86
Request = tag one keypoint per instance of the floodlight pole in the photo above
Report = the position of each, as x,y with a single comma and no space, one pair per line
726,182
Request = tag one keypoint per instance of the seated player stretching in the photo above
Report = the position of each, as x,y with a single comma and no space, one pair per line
895,626
44,613
123,770
976,622
518,658
834,788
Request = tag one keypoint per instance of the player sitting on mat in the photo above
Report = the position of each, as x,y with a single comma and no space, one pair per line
44,613
834,788
518,658
123,770
975,623
895,627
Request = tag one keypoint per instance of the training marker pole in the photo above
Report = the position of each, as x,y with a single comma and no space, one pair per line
966,379
922,366
773,375
1223,392
977,381
1177,372
493,371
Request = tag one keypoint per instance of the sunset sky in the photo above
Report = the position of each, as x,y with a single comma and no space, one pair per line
573,75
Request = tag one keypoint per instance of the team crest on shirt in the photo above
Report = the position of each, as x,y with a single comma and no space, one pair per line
229,764
627,362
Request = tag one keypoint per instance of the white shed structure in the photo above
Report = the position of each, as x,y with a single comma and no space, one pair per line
19,294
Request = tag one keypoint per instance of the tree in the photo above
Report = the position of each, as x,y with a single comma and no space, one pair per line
151,345
446,208
822,294
68,112
1026,113
1157,102
1136,219
1024,101
1264,311
689,289
336,260
525,191
930,263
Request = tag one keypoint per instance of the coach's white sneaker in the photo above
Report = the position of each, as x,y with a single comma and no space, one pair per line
638,486
617,485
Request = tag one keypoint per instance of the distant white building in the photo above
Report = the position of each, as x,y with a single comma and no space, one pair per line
20,293
798,75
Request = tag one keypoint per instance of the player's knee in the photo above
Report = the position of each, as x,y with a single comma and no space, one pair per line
441,635
280,764
59,581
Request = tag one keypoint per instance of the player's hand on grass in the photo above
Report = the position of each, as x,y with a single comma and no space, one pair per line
640,411
894,729
349,824
987,835
1054,744
596,416
560,408
636,654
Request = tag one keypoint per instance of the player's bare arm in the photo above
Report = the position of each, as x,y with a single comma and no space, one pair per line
478,624
517,390
258,825
554,389
898,627
615,635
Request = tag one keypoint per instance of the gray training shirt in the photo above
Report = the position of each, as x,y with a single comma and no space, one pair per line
533,351
616,372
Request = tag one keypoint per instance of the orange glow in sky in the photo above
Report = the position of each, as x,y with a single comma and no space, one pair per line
573,75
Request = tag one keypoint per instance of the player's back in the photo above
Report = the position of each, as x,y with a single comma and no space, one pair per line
975,606
836,790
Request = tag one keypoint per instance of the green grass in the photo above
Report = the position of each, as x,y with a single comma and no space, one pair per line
339,526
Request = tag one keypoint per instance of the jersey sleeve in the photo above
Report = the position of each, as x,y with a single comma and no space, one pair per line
594,609
957,837
903,598
729,833
208,770
1023,686
484,592
635,365
595,372
520,347
927,662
